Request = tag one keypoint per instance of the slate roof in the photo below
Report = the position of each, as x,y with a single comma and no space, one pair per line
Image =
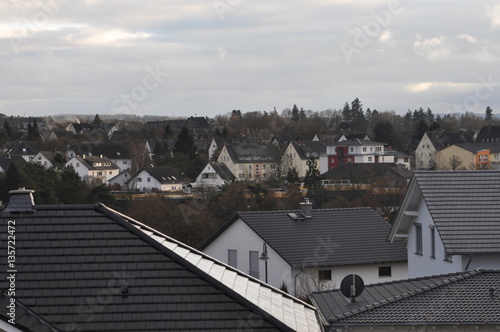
488,134
475,147
465,207
344,236
164,174
90,163
250,153
90,268
453,299
111,150
21,148
442,139
367,173
356,142
223,171
309,149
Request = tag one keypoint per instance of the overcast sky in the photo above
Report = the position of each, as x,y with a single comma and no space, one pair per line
205,58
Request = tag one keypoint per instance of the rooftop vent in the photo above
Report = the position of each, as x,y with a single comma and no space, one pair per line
20,200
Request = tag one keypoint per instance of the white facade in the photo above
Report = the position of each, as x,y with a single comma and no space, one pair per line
240,237
144,181
120,180
209,177
41,159
424,153
85,172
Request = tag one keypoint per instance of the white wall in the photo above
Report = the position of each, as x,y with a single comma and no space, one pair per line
242,238
424,265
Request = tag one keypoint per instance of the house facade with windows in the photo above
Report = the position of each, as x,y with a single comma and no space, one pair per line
449,221
471,156
94,167
118,153
162,179
214,175
355,151
297,154
435,141
249,161
309,249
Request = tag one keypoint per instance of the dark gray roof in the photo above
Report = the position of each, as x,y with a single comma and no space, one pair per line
465,207
250,153
97,163
488,134
475,147
90,268
452,299
164,174
309,149
356,142
344,236
111,150
223,171
442,139
21,148
364,173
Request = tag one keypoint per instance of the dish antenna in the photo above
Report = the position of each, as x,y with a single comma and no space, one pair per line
352,286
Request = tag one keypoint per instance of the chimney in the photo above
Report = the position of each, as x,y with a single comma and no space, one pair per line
306,208
20,200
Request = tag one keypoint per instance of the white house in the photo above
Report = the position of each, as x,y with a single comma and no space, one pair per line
450,222
163,179
118,153
121,180
297,154
214,175
93,167
309,249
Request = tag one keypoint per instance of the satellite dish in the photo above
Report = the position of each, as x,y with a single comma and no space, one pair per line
352,286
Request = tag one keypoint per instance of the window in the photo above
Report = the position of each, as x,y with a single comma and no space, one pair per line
254,264
369,158
433,241
364,149
384,271
125,162
324,275
232,258
378,148
139,179
149,179
418,239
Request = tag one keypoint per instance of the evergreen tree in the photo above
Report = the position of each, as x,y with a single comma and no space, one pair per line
185,144
312,180
295,113
167,131
292,176
346,114
8,128
489,114
384,132
218,133
97,120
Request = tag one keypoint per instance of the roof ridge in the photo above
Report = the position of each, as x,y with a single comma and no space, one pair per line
188,259
453,277
298,209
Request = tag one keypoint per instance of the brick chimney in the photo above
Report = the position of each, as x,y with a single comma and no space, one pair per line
20,200
306,208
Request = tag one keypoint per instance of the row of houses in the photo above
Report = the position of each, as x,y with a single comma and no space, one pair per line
90,268
459,150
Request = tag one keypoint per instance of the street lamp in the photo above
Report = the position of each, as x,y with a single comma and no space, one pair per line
264,257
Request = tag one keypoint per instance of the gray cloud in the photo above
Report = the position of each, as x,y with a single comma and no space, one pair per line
73,56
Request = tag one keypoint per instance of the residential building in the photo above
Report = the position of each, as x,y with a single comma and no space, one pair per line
309,248
435,141
249,161
21,149
89,168
297,154
118,153
121,181
214,175
463,301
355,151
471,156
46,159
448,220
488,134
164,179
90,268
